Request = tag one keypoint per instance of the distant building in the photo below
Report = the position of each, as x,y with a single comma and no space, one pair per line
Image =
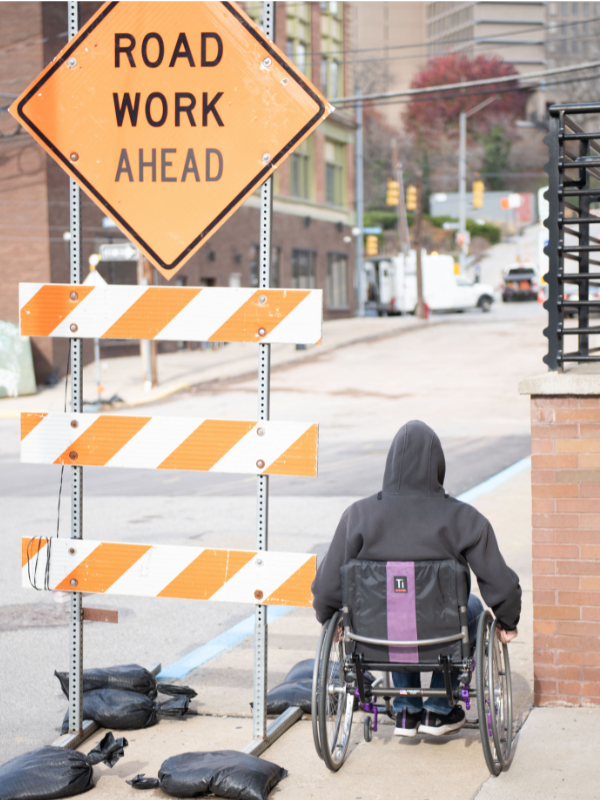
314,189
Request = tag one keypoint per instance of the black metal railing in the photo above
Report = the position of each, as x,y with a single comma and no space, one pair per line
573,277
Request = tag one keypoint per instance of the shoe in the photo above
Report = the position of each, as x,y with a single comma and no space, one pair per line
407,724
439,724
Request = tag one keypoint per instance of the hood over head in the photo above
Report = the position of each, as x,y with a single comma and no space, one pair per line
415,462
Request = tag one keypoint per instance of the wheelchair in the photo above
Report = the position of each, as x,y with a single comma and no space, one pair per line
407,617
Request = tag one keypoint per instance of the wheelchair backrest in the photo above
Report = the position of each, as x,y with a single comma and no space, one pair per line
405,601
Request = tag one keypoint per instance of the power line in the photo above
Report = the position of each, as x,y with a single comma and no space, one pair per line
464,84
403,100
482,39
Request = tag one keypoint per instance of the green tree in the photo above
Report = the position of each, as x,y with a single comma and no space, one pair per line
496,152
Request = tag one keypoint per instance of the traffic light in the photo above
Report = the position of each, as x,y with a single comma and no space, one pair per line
478,190
393,193
411,198
372,245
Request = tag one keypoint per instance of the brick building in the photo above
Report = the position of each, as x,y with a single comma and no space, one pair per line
313,198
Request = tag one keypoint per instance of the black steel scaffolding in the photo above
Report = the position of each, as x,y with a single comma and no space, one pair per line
574,201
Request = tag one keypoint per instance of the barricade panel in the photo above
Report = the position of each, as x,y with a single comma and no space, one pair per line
186,443
292,316
193,573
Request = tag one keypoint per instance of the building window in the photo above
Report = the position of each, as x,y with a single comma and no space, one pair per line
254,254
336,289
332,42
298,35
304,269
301,170
335,168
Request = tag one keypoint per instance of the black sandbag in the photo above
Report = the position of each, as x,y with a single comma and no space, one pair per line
290,693
225,773
129,677
127,711
303,670
53,772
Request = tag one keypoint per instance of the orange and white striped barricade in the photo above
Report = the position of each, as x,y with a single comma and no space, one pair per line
172,313
174,571
185,443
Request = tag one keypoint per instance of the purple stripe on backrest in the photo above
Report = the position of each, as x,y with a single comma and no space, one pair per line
402,612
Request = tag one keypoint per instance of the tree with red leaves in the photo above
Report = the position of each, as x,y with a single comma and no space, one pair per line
432,119
436,114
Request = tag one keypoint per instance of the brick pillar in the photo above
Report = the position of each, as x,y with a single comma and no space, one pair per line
565,477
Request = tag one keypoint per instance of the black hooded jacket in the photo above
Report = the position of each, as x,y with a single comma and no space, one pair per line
413,519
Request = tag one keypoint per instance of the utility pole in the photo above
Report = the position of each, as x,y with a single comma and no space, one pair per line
402,221
358,158
462,190
418,247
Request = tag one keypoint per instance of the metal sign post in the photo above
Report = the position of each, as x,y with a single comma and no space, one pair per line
264,396
76,641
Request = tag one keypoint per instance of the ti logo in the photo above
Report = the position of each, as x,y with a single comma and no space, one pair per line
400,583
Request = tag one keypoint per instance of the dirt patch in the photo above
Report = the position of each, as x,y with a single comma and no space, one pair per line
33,615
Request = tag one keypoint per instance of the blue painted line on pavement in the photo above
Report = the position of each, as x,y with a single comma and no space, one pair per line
495,481
216,646
236,634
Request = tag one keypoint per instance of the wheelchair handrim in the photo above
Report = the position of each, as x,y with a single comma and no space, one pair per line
314,696
499,679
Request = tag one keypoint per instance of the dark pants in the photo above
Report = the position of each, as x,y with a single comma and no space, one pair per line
412,680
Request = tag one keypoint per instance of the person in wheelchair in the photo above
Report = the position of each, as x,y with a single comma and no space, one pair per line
413,520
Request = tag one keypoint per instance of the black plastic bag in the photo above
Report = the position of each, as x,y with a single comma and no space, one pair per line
52,772
127,711
225,773
130,677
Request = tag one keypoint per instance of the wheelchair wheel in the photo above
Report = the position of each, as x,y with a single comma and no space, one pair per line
501,710
368,729
494,695
335,703
314,703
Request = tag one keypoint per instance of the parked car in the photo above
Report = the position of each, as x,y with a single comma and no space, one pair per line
571,292
521,282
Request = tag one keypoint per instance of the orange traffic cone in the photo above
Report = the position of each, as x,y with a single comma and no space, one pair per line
541,298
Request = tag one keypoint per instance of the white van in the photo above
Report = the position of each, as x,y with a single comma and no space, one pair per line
390,285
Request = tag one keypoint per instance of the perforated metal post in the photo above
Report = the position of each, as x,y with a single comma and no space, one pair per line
264,389
76,639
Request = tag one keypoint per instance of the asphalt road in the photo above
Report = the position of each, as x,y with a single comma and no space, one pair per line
460,378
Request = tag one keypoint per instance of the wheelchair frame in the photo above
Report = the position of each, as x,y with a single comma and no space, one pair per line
340,686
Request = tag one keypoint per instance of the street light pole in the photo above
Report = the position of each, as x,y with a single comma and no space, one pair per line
462,178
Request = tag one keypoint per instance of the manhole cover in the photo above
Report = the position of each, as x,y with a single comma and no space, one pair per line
33,615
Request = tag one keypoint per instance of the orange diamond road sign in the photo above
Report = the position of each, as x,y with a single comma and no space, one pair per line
169,115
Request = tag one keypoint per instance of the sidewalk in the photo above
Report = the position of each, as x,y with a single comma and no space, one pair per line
185,369
555,749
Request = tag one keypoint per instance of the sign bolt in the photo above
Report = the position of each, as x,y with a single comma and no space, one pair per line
261,331
74,156
72,551
262,299
73,328
266,157
258,594
259,562
266,62
73,455
72,62
73,295
74,581
260,463
260,431
74,423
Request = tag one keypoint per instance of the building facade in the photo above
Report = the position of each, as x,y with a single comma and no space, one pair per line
313,190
